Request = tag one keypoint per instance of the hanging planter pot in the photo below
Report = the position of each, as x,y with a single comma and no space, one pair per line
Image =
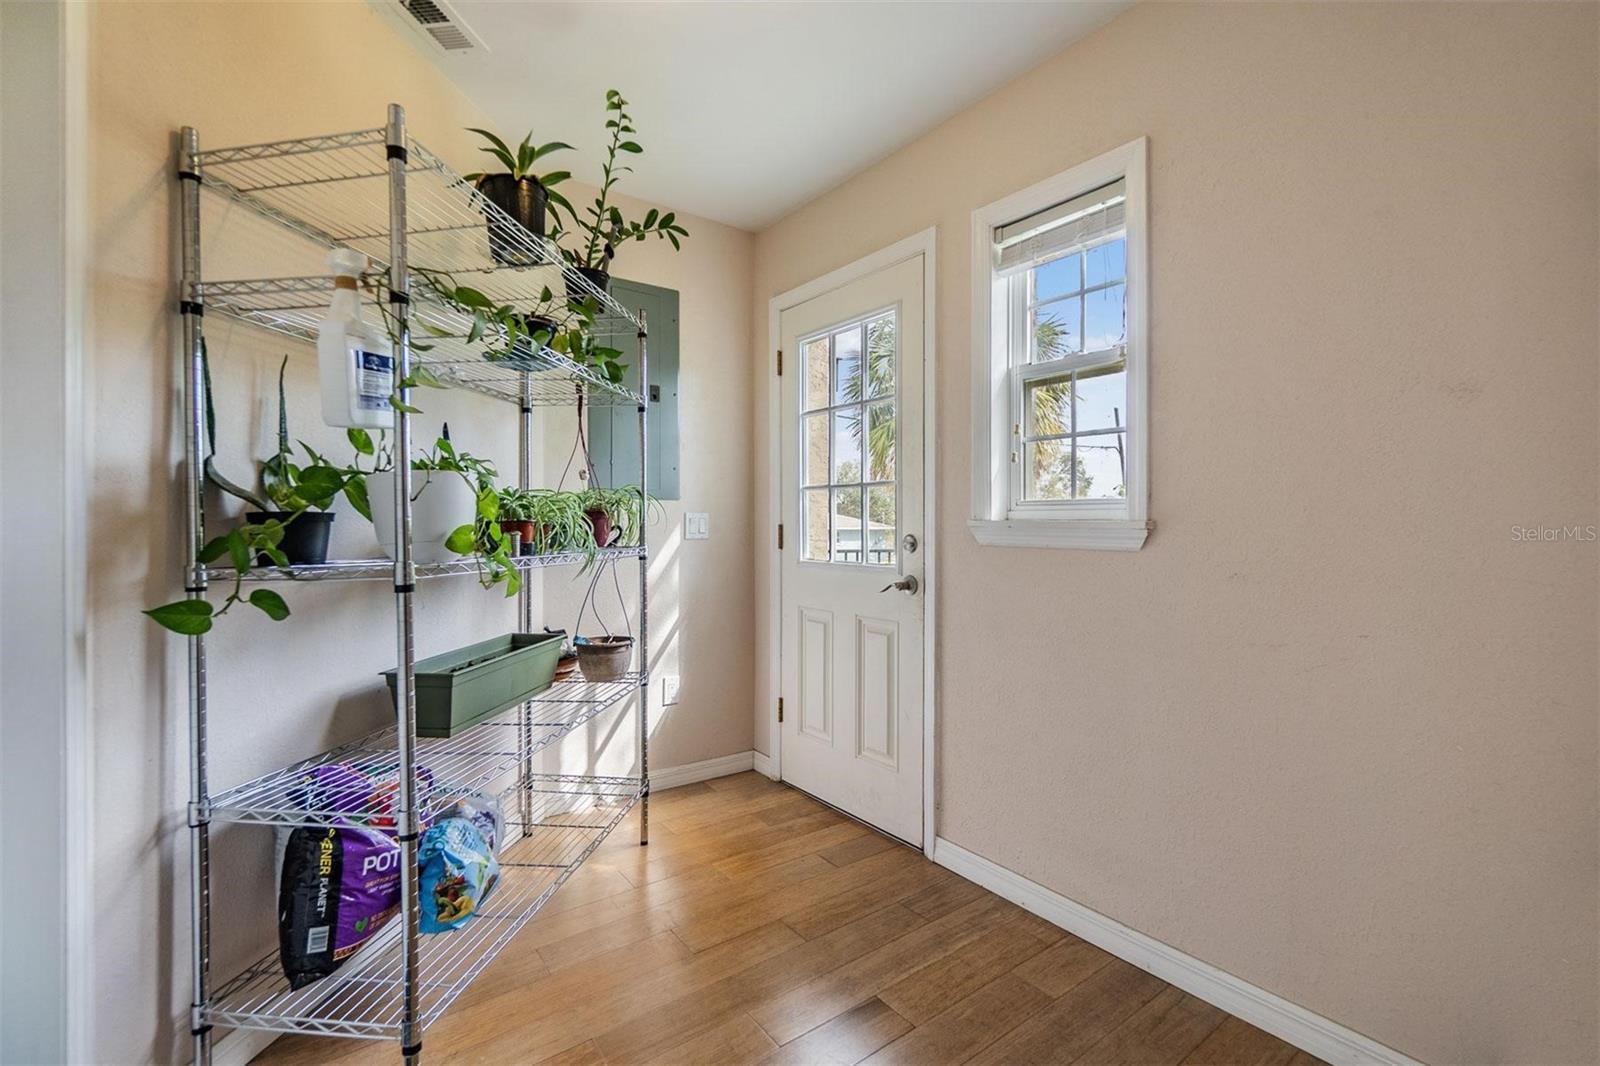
305,537
604,658
524,199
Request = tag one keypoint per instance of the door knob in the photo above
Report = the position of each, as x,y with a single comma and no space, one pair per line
907,584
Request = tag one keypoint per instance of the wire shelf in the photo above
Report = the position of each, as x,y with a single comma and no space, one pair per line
471,761
383,569
570,817
335,190
295,306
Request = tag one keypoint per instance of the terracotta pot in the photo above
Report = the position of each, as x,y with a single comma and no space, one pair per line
600,522
523,528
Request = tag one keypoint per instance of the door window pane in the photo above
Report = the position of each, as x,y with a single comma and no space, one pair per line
814,546
846,445
881,525
814,356
847,365
814,439
847,525
880,442
881,356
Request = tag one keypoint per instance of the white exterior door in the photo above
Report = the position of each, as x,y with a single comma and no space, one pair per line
852,562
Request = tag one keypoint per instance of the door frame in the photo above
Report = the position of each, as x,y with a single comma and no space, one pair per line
923,243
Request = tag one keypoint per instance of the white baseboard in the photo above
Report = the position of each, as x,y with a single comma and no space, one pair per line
1290,1022
763,765
240,1046
689,773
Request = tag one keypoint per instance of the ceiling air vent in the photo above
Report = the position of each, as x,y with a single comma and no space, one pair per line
435,18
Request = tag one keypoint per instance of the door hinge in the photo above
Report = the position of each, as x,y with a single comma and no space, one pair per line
780,362
780,536
780,710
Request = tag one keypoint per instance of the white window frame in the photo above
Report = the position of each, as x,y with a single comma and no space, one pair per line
998,516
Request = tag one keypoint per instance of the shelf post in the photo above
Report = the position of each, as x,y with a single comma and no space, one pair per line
644,583
191,305
525,603
405,579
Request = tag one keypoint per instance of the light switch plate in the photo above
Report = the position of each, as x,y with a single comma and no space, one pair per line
669,690
696,525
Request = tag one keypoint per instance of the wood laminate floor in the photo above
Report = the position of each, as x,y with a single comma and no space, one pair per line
760,926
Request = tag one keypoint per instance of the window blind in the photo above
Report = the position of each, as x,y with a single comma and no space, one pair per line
1055,231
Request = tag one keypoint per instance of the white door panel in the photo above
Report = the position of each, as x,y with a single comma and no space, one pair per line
852,454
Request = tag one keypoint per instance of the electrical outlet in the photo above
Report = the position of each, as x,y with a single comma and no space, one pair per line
669,690
696,526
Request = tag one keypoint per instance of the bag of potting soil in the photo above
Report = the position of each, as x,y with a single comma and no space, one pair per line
483,811
458,871
340,885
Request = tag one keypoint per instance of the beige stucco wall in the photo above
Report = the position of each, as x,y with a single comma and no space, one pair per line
1334,728
243,73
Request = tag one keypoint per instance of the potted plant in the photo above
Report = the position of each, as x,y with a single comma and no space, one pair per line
559,524
516,516
265,537
444,495
579,343
604,656
508,332
601,228
522,194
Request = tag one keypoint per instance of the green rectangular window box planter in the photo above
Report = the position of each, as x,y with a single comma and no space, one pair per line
461,688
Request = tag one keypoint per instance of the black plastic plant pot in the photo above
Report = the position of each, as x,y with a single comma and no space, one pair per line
305,538
540,325
600,279
524,200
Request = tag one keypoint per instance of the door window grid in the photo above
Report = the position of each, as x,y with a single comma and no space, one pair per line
848,438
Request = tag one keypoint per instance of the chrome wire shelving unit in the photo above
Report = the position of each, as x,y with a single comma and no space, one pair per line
382,193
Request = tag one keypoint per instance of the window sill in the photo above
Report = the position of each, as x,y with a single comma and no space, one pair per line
1103,534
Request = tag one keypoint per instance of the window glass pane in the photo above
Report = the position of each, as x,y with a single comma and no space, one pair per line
1058,278
881,531
847,525
814,355
1048,470
1057,329
1107,262
847,365
1049,407
1102,395
847,445
880,442
880,356
814,441
1100,466
1103,312
814,545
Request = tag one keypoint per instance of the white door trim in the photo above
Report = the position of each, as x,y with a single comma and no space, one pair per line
44,605
924,244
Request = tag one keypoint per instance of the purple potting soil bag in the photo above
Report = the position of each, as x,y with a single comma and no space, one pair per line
332,786
340,885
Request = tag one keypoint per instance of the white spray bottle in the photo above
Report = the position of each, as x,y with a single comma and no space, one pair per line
355,357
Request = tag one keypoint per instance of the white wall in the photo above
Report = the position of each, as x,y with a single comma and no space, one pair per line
1334,730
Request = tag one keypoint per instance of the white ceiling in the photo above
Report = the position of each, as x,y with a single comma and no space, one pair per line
748,110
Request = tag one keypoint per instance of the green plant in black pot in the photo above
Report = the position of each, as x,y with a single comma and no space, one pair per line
521,194
289,527
601,227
